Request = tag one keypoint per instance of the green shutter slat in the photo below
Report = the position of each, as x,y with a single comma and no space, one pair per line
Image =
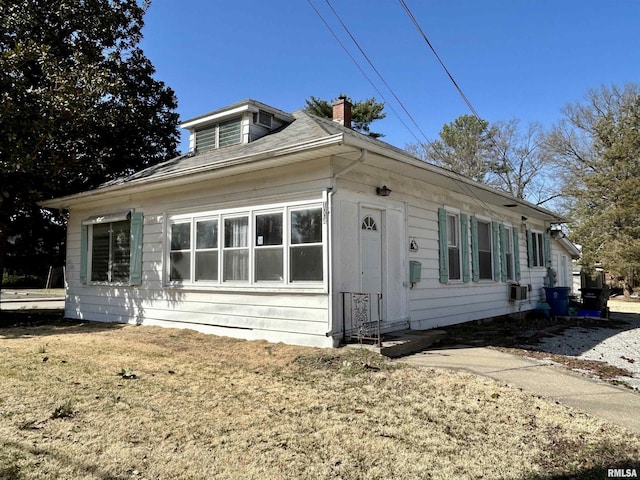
547,250
516,253
495,254
475,256
529,249
84,247
443,247
135,272
464,247
503,254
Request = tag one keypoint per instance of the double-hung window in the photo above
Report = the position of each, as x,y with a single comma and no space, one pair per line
282,245
235,250
453,245
110,252
111,248
536,249
269,249
305,250
485,254
507,244
206,250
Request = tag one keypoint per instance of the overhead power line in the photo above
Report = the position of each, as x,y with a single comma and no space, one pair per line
408,11
333,33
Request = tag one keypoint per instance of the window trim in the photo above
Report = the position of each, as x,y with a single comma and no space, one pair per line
251,212
456,247
463,222
136,232
536,249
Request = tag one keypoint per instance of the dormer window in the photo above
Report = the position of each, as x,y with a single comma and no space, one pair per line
239,123
219,135
263,118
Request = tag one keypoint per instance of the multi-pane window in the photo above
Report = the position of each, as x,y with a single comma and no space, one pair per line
269,252
219,135
110,251
453,245
235,250
508,252
485,257
206,250
180,252
305,251
280,245
537,249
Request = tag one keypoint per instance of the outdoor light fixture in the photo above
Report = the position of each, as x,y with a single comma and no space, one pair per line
383,191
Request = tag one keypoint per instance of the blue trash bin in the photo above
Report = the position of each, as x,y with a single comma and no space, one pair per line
558,300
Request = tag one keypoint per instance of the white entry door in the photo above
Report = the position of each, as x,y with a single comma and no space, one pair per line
371,255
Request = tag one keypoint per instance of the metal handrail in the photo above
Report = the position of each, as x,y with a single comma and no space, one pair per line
361,303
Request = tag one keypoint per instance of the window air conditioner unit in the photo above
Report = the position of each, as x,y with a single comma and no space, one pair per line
518,292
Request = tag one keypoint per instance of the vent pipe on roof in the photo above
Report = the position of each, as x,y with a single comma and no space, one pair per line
342,111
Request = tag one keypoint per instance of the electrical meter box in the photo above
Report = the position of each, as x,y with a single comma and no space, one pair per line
415,269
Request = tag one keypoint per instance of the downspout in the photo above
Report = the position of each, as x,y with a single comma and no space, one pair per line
329,196
352,165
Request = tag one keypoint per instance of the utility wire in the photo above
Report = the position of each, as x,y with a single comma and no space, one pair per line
377,72
326,24
429,143
502,152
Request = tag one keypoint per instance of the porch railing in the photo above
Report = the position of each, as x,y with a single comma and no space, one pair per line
359,321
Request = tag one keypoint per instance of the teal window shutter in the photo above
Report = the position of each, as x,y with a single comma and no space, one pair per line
529,249
516,254
84,251
135,267
464,247
547,250
475,256
443,247
494,250
503,254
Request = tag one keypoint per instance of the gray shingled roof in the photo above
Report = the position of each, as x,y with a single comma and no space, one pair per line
306,127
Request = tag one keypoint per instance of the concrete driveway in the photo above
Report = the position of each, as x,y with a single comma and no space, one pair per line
52,299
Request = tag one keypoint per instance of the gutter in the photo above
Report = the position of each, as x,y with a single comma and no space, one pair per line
408,159
352,165
183,176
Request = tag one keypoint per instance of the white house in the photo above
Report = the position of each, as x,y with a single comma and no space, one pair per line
271,216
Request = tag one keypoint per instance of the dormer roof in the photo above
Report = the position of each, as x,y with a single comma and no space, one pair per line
235,110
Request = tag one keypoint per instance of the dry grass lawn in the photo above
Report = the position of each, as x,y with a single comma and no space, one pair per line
101,401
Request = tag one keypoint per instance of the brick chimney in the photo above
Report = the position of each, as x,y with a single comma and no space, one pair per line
342,111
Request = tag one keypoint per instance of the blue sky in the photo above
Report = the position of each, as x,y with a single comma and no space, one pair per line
521,59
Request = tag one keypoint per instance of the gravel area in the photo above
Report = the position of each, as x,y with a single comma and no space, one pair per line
618,346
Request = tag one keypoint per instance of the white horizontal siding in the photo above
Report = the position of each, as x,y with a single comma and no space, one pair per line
289,316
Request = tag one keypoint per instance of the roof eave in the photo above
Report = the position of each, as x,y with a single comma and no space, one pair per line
186,176
522,206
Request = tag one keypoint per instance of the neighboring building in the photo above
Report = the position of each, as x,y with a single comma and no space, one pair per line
257,231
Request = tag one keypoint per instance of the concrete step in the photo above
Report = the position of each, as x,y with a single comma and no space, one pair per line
404,342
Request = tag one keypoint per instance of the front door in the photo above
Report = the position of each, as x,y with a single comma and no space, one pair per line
371,255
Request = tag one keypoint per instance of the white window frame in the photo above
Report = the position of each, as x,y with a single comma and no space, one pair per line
537,247
456,246
251,212
509,253
90,272
492,250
